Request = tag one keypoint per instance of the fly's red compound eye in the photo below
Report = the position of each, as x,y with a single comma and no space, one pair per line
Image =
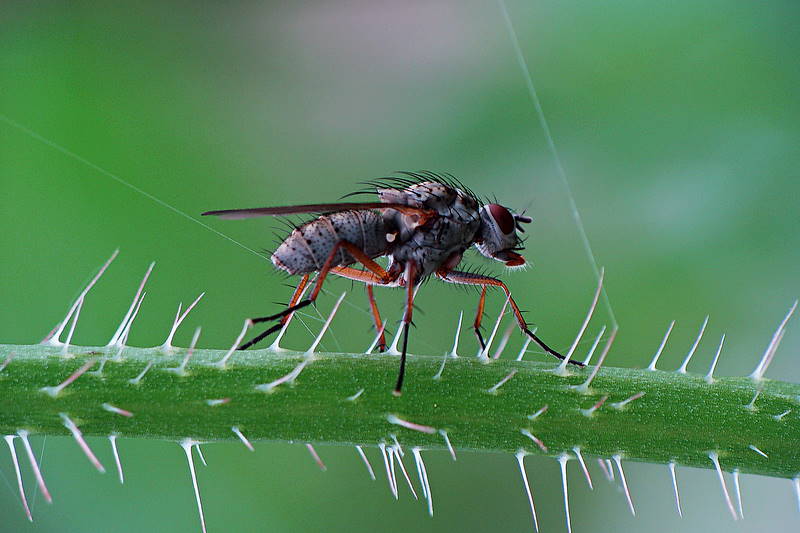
502,218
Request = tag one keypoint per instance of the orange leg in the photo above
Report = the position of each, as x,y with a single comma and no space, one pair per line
379,272
466,278
376,316
296,296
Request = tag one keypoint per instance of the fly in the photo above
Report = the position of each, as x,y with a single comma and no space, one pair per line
422,222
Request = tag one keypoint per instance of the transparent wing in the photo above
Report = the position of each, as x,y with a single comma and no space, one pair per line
235,214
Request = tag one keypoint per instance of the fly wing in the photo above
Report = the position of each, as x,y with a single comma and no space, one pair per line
235,214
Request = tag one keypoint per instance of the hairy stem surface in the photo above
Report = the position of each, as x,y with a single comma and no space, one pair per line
680,417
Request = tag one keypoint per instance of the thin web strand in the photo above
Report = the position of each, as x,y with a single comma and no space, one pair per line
523,64
119,180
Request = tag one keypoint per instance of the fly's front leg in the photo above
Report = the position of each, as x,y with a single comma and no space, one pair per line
466,278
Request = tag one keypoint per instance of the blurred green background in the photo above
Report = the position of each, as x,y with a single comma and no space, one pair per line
678,125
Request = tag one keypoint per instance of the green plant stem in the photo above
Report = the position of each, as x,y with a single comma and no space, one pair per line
680,418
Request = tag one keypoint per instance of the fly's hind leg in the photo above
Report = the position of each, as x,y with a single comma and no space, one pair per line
378,271
293,301
466,278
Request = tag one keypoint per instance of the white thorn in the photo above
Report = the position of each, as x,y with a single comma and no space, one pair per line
525,344
590,411
34,465
117,334
534,438
238,433
200,454
224,361
394,419
113,440
454,350
366,462
738,489
604,466
426,485
496,386
55,391
13,450
759,452
621,405
179,317
355,396
682,369
288,378
116,410
484,354
652,365
675,487
562,368
314,345
65,346
54,339
393,347
389,473
710,375
562,461
99,372
450,448
276,344
181,369
538,413
583,388
397,444
618,462
138,379
376,339
610,468
769,353
579,455
8,359
316,457
779,417
715,459
125,332
415,452
76,433
187,445
391,452
752,405
504,340
796,483
405,474
216,402
594,346
438,374
521,462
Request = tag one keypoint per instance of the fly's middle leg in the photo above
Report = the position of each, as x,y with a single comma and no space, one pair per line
376,316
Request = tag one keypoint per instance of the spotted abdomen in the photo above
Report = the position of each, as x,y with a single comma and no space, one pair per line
307,248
